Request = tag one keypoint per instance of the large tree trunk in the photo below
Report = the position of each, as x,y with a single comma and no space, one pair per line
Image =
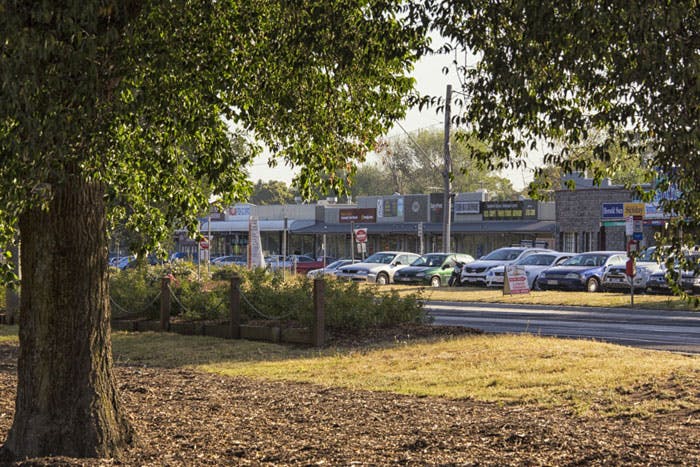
67,403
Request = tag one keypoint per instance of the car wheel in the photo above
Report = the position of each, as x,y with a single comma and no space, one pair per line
382,279
592,285
435,281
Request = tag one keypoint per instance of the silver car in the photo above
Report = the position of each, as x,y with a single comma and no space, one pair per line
533,265
475,273
379,267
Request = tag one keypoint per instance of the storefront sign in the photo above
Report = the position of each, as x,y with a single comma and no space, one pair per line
509,210
367,215
613,211
633,209
436,203
416,208
467,207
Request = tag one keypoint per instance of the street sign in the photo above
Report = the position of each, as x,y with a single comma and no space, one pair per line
361,235
204,244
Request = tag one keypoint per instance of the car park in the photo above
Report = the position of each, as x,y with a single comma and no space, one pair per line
331,268
475,273
434,269
616,278
584,271
533,265
378,268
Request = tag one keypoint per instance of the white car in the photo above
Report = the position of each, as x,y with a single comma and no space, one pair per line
379,267
532,264
331,268
616,279
475,273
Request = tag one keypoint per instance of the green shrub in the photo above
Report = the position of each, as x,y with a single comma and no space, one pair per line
264,296
135,292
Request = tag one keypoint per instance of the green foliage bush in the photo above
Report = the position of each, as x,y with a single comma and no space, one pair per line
264,296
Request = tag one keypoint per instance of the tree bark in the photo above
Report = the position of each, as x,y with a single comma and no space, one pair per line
67,402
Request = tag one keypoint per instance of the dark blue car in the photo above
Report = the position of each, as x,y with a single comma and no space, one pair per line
581,272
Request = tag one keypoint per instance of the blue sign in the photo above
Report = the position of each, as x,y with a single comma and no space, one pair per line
637,236
613,211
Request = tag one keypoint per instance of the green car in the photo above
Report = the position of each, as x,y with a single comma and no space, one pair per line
434,269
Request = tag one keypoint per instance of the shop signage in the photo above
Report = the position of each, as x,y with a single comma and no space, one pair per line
509,210
467,207
390,207
613,211
346,216
633,209
436,203
416,208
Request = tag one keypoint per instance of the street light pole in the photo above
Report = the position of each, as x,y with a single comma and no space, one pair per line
447,174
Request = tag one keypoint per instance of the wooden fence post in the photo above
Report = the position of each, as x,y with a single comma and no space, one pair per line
165,304
319,312
235,308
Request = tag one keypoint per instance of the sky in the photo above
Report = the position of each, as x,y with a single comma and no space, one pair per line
430,80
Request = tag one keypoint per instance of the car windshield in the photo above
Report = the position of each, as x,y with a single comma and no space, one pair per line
648,255
382,258
591,260
429,261
536,260
337,264
504,254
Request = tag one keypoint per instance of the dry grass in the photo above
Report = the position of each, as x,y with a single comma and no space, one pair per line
608,299
581,375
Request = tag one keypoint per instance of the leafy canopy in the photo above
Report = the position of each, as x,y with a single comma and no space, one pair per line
549,72
142,97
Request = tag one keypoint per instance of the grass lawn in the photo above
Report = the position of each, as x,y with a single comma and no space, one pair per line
582,375
607,299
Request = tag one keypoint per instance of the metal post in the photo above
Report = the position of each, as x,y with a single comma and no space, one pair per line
447,174
165,304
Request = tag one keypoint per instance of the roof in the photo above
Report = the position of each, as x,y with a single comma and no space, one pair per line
412,227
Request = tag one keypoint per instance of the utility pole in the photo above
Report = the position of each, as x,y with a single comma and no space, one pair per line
447,174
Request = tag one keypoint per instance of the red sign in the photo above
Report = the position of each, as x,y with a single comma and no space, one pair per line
204,244
361,235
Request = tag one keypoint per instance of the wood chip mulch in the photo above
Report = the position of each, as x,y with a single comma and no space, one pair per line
189,418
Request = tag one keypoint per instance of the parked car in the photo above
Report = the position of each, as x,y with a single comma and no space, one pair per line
616,279
433,268
533,265
379,267
689,280
227,260
331,268
475,273
584,271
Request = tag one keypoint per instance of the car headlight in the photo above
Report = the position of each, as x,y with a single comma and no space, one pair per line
420,274
573,275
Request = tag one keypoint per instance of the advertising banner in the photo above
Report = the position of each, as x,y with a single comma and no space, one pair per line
515,281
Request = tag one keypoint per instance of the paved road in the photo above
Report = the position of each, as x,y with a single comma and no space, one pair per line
676,331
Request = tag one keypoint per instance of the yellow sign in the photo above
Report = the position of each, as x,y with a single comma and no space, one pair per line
633,209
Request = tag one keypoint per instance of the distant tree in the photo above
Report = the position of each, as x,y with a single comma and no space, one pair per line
415,164
370,179
271,192
620,165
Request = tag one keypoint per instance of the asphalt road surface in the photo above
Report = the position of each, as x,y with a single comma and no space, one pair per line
676,331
